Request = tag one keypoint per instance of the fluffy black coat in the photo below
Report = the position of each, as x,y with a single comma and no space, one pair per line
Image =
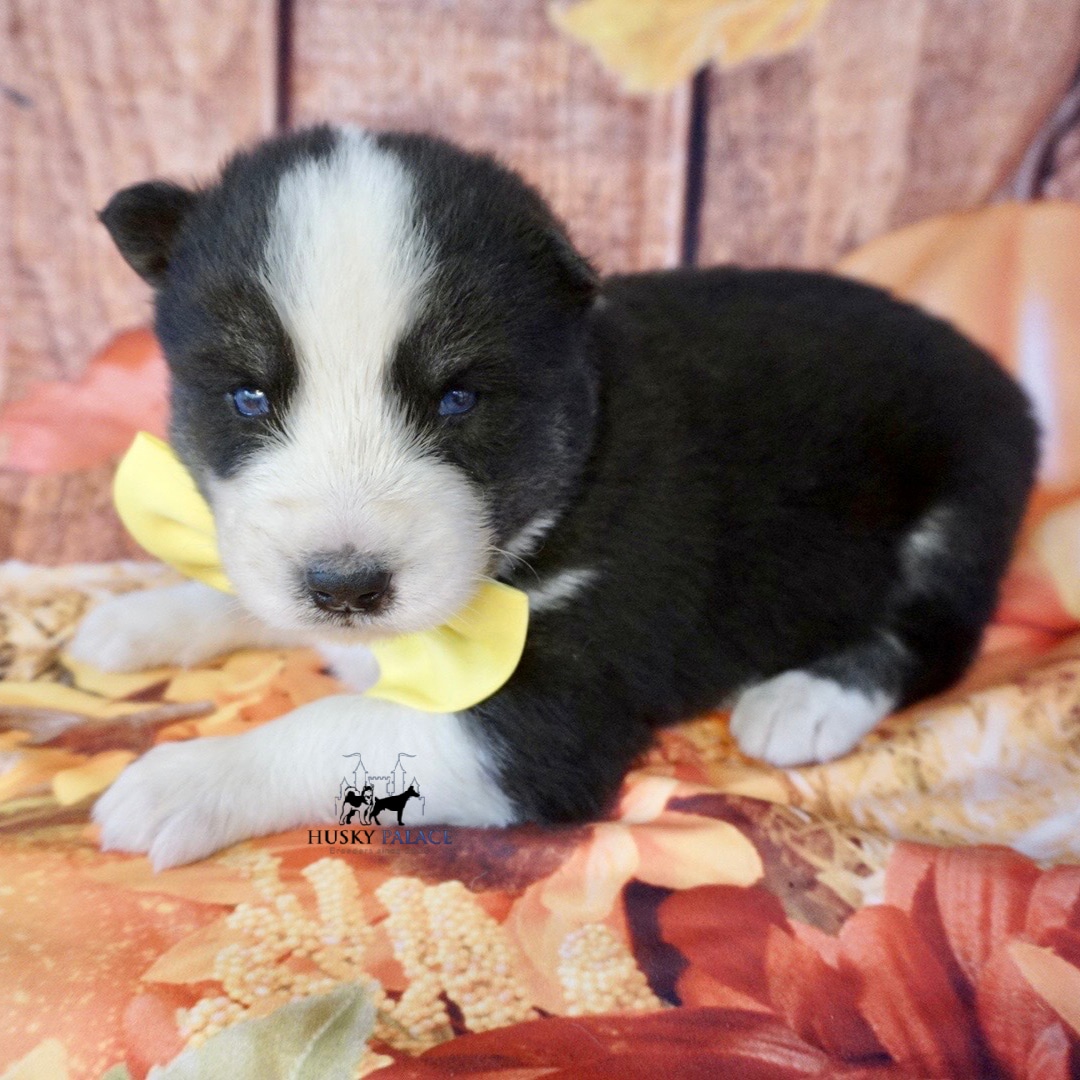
738,459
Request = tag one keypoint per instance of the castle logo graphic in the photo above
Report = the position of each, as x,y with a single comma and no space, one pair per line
364,796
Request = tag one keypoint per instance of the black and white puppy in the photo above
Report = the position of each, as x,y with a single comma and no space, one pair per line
392,376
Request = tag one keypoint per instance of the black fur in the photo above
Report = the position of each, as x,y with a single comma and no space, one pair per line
739,456
767,441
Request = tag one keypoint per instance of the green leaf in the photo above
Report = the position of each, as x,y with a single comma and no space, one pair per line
317,1038
117,1072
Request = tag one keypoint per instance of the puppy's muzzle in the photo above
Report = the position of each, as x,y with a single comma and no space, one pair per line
343,589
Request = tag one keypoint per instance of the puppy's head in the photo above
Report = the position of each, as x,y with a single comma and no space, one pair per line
378,369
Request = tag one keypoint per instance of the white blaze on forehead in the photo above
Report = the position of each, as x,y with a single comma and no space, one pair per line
345,267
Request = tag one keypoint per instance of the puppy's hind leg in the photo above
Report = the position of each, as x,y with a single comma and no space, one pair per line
950,564
818,713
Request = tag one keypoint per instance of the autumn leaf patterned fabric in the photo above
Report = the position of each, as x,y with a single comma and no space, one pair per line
912,910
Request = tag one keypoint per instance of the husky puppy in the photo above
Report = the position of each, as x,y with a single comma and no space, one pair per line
393,376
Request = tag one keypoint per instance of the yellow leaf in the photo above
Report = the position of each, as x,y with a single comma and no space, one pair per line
589,882
74,784
645,797
201,684
249,671
1057,541
191,960
207,882
657,44
112,684
47,695
1053,978
681,851
47,1061
35,769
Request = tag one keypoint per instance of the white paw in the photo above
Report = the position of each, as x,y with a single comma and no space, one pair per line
181,625
797,718
353,665
180,802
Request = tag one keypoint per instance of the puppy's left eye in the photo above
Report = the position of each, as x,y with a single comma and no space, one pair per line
457,401
250,401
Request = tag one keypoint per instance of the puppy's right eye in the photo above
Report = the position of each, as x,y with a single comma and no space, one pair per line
250,402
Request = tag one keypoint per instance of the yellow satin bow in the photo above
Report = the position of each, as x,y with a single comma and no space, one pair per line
448,669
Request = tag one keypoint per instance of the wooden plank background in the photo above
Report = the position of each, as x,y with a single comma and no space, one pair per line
497,77
892,111
101,94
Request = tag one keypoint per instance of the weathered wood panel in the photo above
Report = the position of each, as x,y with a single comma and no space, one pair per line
62,518
892,111
498,77
96,95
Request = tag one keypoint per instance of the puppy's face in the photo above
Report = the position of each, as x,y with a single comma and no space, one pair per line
378,373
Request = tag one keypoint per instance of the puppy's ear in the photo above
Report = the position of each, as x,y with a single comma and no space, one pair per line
576,275
144,221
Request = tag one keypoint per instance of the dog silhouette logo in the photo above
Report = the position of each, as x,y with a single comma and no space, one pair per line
365,795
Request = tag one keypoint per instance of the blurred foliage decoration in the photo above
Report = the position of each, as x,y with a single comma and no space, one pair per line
656,44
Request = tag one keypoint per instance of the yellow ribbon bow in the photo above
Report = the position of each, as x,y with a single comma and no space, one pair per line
448,669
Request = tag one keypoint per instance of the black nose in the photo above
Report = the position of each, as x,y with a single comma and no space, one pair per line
360,589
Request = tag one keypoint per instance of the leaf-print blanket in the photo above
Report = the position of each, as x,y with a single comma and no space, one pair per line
851,919
912,910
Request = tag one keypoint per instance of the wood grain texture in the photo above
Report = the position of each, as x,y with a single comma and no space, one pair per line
62,518
97,95
1064,179
499,78
893,110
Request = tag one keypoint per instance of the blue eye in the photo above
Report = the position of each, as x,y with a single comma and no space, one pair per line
250,401
457,401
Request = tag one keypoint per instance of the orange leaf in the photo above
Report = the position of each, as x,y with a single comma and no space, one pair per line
1010,1013
191,960
817,1002
1050,1056
586,888
910,886
67,426
906,995
150,1033
982,894
1055,980
908,870
1054,903
722,931
681,851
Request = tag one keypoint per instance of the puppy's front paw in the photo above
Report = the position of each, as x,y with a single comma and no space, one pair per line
180,802
181,625
797,719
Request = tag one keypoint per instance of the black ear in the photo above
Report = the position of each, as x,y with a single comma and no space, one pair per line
143,221
576,275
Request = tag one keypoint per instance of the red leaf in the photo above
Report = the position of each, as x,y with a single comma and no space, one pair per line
906,995
1011,1014
151,1036
982,894
910,886
909,869
683,1043
722,931
818,1003
1065,942
825,945
1051,1056
1054,903
67,426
